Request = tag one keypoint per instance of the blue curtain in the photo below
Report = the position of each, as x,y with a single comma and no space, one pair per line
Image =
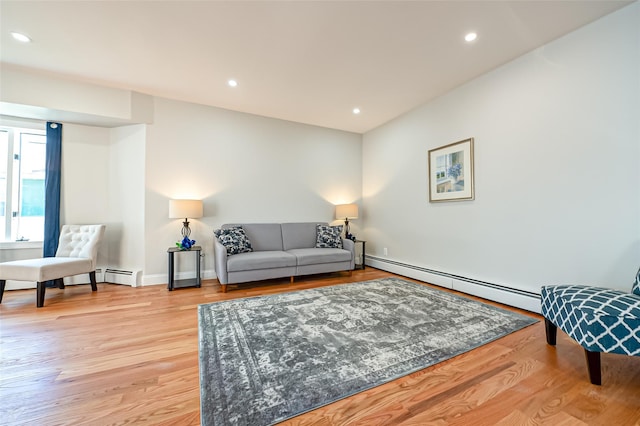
52,189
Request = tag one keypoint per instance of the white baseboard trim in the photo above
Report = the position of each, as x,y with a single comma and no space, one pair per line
163,279
496,292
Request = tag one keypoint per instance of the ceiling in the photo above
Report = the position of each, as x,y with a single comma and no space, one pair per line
308,62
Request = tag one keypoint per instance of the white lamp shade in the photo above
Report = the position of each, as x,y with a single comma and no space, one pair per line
347,211
185,209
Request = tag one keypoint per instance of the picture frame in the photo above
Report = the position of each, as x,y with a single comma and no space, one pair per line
451,175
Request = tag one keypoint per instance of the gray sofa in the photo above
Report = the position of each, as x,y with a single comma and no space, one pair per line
280,250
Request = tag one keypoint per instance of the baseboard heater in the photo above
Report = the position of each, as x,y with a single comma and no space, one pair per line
500,293
121,276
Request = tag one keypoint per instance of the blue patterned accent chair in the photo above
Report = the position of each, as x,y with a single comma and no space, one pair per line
599,319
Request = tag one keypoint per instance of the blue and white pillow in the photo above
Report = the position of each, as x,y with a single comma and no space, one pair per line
234,239
635,289
328,236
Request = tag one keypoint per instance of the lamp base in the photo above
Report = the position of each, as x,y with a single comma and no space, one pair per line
186,231
348,234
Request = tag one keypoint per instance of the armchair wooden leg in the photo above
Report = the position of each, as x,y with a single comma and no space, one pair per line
94,284
593,364
41,288
3,284
551,332
224,288
59,282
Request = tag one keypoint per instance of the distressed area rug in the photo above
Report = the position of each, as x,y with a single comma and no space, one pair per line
266,359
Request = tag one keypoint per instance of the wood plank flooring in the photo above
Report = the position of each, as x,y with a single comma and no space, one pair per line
128,355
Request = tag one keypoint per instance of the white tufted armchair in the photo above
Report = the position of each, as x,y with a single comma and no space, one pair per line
76,254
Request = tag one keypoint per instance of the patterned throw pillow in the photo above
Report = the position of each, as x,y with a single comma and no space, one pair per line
234,239
328,236
635,289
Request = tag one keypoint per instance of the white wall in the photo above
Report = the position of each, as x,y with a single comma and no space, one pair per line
85,153
557,143
246,168
84,184
125,228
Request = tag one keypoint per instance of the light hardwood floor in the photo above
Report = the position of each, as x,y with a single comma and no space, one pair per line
130,355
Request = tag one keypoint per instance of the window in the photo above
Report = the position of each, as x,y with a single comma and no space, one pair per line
22,166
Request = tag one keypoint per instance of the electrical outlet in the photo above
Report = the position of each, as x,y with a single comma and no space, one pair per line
385,251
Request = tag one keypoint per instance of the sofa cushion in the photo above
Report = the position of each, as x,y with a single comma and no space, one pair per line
299,235
328,236
44,269
234,239
635,289
260,260
314,256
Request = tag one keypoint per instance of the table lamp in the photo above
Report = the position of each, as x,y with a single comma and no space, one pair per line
185,209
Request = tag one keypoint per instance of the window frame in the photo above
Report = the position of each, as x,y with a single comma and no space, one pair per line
14,129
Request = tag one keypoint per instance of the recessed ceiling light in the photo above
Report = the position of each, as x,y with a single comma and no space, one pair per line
356,110
232,83
471,36
21,37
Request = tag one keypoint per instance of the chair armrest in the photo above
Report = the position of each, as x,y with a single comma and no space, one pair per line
220,260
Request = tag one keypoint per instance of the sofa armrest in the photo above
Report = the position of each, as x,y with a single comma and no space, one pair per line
351,246
220,260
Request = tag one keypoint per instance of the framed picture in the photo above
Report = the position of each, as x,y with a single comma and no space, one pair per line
451,172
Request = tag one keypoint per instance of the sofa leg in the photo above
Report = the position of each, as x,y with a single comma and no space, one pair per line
593,365
41,288
551,331
59,282
3,284
291,281
224,288
94,284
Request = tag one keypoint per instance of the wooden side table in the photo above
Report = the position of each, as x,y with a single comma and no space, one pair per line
187,282
360,265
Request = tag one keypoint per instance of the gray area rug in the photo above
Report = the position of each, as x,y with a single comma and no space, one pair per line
266,359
